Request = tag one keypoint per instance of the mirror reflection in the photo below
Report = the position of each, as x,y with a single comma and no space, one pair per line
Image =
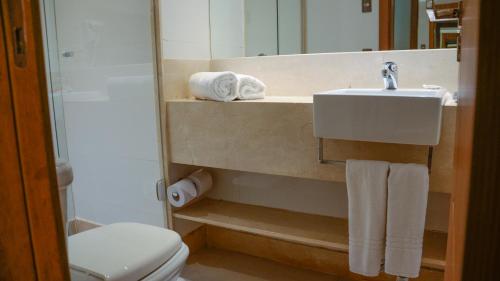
240,28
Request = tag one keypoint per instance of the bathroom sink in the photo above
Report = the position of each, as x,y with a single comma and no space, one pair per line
408,116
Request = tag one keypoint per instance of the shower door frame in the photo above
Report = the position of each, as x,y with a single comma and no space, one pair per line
59,128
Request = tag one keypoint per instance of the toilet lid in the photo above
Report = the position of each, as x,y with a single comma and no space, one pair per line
122,251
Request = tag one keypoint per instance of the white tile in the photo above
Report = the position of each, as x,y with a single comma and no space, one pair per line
185,26
185,50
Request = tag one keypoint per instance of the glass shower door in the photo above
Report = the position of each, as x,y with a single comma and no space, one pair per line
52,70
105,106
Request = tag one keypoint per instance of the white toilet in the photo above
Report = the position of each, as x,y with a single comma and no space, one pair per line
126,252
121,251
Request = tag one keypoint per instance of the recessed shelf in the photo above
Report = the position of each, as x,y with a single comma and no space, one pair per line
311,230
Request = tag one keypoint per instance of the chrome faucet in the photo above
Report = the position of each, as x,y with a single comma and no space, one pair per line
390,75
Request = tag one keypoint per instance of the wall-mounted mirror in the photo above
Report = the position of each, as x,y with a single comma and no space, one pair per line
278,27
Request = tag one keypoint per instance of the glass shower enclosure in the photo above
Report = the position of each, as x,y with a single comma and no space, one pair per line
104,107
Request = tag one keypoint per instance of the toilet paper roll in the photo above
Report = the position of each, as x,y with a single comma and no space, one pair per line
181,192
202,180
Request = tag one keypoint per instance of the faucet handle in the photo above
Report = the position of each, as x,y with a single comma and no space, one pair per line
390,66
385,73
390,75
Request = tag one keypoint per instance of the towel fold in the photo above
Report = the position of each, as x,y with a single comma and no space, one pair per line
250,88
408,186
218,86
449,99
367,197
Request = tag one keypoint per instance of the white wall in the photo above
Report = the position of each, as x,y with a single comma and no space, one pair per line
104,32
289,27
249,27
340,26
110,109
261,31
402,24
423,25
227,28
185,29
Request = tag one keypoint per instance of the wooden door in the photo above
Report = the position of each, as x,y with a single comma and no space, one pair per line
386,25
474,233
32,241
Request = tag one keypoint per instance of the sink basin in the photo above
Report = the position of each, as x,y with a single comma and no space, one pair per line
407,116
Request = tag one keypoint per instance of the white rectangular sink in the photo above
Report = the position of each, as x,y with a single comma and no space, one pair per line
407,116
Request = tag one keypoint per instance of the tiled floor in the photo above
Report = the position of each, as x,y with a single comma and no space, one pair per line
219,265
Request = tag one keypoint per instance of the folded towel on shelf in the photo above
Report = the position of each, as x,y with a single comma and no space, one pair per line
250,88
367,198
408,186
218,86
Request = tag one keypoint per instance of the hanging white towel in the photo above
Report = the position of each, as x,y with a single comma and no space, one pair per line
218,86
250,88
367,197
408,186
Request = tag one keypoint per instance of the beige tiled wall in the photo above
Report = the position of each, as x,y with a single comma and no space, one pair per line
303,75
175,75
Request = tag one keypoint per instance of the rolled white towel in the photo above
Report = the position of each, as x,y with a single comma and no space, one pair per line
218,86
250,88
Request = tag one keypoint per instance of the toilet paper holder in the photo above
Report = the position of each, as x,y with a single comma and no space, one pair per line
176,196
161,191
343,162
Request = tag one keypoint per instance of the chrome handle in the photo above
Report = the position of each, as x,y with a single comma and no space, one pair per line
176,196
390,75
391,66
68,54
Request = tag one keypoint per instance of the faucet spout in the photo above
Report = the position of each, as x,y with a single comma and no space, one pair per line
390,75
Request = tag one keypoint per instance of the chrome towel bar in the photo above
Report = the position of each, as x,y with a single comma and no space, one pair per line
343,162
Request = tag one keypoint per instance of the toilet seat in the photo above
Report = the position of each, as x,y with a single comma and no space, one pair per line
172,268
125,251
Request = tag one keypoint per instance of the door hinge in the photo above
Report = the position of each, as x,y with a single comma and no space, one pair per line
459,37
16,14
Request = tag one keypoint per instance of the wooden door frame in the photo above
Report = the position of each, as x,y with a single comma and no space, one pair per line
414,24
386,25
482,243
474,233
13,217
32,183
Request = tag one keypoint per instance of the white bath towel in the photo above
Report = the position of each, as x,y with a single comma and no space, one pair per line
250,88
408,186
367,197
218,86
